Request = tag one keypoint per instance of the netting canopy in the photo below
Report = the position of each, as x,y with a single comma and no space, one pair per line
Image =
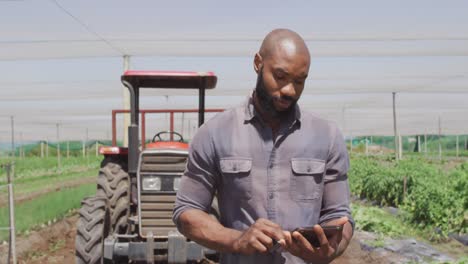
61,61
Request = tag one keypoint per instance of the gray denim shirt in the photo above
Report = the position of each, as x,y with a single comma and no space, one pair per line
297,179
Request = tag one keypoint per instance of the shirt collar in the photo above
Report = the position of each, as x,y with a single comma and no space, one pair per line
250,112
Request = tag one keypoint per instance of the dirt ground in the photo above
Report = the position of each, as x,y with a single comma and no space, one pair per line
55,244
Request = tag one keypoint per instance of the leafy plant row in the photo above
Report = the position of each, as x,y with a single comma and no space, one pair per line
429,195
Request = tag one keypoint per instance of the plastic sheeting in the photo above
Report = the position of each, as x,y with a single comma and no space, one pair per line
61,61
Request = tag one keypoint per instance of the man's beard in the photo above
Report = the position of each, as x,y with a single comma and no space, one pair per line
266,101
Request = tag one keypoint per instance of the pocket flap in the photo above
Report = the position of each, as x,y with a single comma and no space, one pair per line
235,165
307,166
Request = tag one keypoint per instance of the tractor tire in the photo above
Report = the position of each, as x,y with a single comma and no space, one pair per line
92,228
114,185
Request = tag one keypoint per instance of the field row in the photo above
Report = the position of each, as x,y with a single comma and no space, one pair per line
429,194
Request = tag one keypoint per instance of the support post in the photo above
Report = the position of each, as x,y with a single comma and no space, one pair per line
457,150
126,102
42,149
21,150
59,163
13,136
419,144
171,125
395,130
400,145
86,148
11,208
440,144
367,148
182,129
425,144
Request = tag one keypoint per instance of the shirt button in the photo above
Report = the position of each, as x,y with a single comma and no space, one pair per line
271,196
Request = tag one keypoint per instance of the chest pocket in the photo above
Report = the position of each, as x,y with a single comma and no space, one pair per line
236,176
306,179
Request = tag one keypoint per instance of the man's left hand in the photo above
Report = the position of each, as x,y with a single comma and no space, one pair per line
329,249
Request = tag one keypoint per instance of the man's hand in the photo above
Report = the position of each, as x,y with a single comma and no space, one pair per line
329,248
258,238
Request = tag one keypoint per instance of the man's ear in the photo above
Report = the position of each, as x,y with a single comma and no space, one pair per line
258,61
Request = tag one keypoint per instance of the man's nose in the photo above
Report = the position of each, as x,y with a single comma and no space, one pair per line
288,90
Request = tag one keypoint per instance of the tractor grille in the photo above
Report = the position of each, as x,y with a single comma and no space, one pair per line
163,162
156,213
156,207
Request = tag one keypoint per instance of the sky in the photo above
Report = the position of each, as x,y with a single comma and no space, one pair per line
61,61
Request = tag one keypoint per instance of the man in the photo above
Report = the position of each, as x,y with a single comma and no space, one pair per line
273,168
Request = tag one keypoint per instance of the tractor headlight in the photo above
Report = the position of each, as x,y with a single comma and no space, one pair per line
151,183
176,183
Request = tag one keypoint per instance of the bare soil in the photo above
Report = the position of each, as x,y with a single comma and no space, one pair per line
56,244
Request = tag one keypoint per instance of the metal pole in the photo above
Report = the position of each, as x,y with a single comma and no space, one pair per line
68,149
367,147
400,149
171,125
126,101
457,146
11,207
86,148
466,146
419,144
97,148
21,154
182,129
425,144
395,132
440,145
12,137
59,163
201,104
42,149
47,148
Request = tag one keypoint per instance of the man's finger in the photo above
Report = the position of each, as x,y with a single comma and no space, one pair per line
302,242
259,247
273,232
340,221
324,245
264,239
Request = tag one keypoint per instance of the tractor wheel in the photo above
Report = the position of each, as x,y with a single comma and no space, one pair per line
114,185
92,228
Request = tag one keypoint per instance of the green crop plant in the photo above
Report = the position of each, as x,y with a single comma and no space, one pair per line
33,213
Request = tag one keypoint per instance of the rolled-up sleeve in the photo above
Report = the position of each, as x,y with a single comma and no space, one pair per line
336,194
198,184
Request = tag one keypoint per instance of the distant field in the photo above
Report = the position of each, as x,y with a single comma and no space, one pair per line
44,209
44,192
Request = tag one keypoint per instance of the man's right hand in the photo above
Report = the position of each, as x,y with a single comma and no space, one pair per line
258,238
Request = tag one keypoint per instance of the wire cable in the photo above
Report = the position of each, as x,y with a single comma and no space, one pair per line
87,28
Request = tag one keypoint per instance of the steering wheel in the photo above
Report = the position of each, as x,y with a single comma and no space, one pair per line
158,135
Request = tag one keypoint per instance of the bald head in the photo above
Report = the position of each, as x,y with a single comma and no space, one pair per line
283,42
282,66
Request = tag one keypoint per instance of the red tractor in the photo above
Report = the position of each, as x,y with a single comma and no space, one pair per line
129,220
